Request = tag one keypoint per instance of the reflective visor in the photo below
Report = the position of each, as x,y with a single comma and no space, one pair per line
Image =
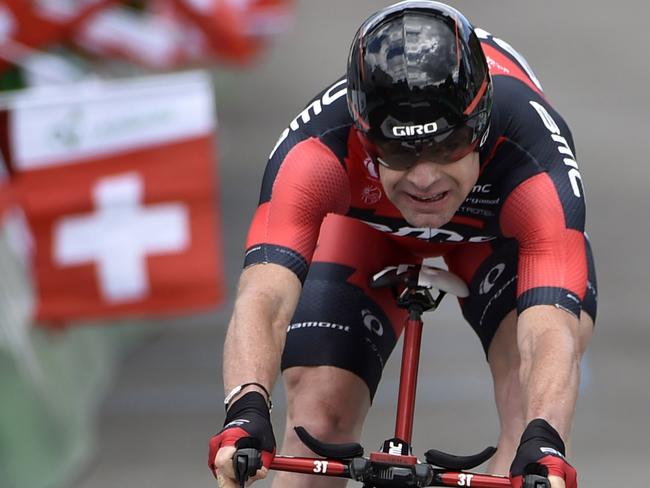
445,147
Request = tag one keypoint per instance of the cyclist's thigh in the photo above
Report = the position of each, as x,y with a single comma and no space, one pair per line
339,320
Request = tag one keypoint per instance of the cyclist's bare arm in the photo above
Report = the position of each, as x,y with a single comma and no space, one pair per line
548,340
266,299
552,269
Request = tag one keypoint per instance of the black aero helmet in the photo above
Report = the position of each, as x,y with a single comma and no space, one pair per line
418,84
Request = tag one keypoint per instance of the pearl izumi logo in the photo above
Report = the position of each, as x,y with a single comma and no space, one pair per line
491,278
415,130
372,323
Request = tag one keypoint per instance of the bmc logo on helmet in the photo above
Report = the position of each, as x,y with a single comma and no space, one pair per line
415,130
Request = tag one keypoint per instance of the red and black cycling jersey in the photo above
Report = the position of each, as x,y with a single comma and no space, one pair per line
529,189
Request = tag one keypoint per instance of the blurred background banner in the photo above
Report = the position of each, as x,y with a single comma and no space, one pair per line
117,182
25,26
235,30
158,34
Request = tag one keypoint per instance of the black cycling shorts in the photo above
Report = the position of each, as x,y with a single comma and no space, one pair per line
342,322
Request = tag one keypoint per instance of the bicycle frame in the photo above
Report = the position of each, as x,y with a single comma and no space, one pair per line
394,466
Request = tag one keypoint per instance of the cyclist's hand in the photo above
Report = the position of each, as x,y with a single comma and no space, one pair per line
247,424
541,451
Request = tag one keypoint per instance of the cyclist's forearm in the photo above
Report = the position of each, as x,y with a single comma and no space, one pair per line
265,301
253,346
550,365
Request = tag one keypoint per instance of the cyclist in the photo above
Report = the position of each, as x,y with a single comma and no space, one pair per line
439,141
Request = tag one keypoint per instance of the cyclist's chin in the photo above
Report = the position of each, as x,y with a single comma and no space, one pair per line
426,219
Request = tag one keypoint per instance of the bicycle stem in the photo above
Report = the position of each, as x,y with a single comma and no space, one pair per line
409,374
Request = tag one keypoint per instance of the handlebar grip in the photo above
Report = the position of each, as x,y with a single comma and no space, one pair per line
246,463
536,481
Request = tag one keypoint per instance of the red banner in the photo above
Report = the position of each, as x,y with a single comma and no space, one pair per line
118,186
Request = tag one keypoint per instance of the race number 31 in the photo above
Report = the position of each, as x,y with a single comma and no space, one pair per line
465,479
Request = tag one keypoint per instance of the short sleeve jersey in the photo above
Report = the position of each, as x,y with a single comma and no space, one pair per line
529,188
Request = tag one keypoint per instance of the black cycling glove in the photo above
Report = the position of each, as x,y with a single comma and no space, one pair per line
247,424
541,452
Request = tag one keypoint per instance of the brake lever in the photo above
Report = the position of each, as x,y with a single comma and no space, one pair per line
246,463
536,481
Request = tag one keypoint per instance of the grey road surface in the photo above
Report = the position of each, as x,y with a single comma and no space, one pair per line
592,59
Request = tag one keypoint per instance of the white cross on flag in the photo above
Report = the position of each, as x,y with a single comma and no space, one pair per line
117,181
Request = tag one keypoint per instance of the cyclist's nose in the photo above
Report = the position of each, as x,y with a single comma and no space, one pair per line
424,174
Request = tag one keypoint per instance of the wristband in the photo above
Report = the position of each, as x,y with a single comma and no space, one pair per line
239,388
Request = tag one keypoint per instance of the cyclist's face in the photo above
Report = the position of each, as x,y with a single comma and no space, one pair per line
429,193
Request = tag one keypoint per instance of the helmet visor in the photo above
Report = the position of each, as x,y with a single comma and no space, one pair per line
445,147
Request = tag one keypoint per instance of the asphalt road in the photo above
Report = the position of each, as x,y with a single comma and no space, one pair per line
592,59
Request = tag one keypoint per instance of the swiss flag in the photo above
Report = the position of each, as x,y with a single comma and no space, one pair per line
119,192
